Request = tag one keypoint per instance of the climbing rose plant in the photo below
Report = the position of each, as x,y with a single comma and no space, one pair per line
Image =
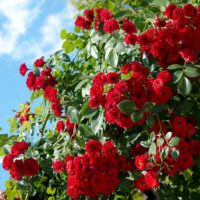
119,112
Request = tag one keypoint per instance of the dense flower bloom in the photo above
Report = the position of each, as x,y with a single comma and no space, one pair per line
111,26
30,81
31,167
7,161
58,166
82,23
60,126
23,69
19,148
93,146
89,15
189,55
128,26
105,15
39,62
112,77
130,39
16,170
90,174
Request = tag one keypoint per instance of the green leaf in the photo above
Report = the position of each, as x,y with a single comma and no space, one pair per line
159,142
137,116
39,110
152,149
73,114
164,152
191,72
9,184
150,121
177,75
94,52
37,72
145,59
96,124
122,14
174,66
152,136
185,106
145,144
113,58
158,3
63,34
148,106
126,107
51,190
86,131
174,141
185,86
80,84
174,153
6,149
168,136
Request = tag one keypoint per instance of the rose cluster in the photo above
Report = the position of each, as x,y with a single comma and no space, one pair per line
188,148
103,18
18,167
174,39
63,126
96,172
140,88
42,79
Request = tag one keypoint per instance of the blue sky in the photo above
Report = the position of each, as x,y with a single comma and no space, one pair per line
29,29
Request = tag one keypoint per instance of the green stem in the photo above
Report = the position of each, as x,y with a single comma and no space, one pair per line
45,122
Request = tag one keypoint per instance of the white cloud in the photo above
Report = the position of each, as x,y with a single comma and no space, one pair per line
18,15
48,39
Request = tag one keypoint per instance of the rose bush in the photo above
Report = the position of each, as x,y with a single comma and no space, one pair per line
119,116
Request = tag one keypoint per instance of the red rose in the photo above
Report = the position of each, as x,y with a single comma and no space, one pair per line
111,26
93,146
23,69
151,180
108,149
130,39
56,107
50,93
60,126
58,166
30,81
39,62
189,55
165,75
31,167
158,83
16,170
112,77
7,161
93,102
189,10
141,161
99,79
159,22
169,10
82,23
141,184
19,148
89,15
70,126
128,26
105,15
